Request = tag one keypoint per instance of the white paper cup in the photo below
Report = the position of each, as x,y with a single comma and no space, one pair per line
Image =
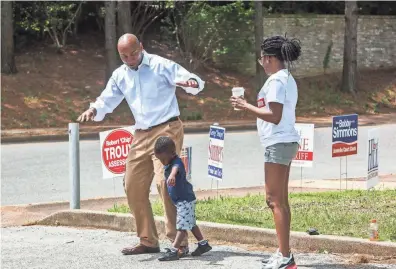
238,92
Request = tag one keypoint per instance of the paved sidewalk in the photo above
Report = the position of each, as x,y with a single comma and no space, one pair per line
69,248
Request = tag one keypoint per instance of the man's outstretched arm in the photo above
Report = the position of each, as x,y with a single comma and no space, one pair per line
179,76
108,100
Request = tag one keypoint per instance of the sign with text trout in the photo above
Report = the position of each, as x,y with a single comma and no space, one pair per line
216,148
304,157
344,135
114,148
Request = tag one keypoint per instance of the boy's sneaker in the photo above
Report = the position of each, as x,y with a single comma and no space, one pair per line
183,251
169,256
271,258
202,248
280,262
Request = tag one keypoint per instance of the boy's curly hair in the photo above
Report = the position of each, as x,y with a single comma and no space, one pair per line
164,144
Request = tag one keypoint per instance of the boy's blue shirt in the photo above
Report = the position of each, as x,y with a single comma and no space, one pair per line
183,190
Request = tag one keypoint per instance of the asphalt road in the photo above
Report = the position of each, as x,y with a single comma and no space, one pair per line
69,248
38,172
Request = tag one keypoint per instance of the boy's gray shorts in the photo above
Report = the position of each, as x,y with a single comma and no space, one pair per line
185,219
282,153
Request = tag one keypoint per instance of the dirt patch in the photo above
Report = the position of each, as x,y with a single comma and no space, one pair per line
361,259
51,90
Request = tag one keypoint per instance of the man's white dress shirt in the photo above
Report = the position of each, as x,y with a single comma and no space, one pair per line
149,91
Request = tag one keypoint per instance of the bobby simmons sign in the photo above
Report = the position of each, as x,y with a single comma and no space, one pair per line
344,135
304,157
114,147
216,147
372,158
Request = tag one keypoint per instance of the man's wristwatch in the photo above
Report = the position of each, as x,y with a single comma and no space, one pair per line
194,80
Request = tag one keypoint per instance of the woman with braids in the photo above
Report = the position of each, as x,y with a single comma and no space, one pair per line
275,112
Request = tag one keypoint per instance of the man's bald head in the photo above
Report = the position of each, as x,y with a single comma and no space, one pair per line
130,50
128,40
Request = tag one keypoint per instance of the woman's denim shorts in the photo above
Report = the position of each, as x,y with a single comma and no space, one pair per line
282,153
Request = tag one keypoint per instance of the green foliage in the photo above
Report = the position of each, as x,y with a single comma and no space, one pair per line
29,21
58,14
203,32
53,17
329,7
237,29
230,22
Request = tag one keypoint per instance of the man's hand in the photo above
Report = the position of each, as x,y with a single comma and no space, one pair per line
171,180
189,83
88,115
238,102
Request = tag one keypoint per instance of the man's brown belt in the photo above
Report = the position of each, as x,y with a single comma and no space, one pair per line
170,120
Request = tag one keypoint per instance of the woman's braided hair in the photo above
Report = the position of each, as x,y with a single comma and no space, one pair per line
284,49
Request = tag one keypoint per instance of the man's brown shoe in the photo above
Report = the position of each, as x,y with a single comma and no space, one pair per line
140,249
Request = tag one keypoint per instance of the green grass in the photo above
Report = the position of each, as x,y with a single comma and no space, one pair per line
345,213
43,116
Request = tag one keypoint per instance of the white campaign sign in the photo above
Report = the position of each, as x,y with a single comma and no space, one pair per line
304,157
215,153
372,158
114,147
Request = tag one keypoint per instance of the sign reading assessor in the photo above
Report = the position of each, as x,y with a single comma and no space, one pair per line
115,146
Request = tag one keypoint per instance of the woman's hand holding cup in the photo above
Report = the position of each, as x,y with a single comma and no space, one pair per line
237,99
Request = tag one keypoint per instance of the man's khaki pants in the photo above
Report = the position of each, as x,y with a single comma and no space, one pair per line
141,167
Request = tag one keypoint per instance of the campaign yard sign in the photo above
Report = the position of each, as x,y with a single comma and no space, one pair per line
344,135
215,153
186,157
372,158
114,148
304,157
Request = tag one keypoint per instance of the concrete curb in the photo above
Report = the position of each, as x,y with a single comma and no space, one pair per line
95,135
224,232
58,205
46,138
188,129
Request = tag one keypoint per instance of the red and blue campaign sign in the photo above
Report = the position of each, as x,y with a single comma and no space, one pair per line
345,135
216,148
186,157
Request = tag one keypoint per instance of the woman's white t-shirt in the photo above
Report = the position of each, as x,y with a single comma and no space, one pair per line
280,88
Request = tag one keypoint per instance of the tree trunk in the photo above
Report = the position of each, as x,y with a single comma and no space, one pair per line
7,39
258,36
77,21
110,38
124,18
350,48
